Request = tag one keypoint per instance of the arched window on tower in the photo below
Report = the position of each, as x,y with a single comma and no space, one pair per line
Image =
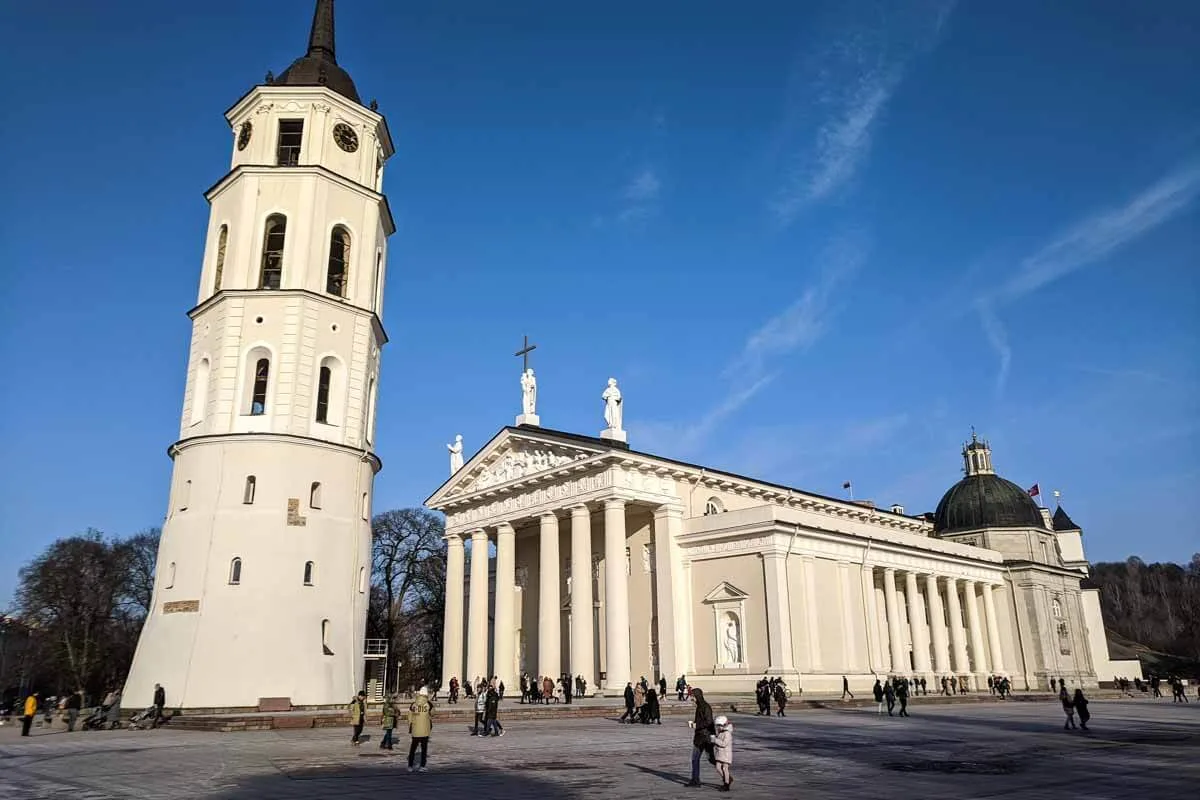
200,391
713,506
170,581
314,495
235,572
271,274
219,269
326,633
258,397
248,492
362,580
338,273
324,378
308,573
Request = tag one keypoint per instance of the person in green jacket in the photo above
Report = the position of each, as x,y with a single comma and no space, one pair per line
389,722
420,725
358,715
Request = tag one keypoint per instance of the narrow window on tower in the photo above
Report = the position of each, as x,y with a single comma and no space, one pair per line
339,262
222,241
308,573
271,274
248,493
235,572
324,378
185,495
170,582
262,375
200,391
325,633
362,580
314,495
369,433
291,135
378,280
366,507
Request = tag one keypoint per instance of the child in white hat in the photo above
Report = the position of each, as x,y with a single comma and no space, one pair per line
723,751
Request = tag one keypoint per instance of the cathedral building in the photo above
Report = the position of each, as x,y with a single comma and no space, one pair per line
262,579
615,564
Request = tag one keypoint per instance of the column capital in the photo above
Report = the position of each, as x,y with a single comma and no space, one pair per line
669,510
889,571
578,509
478,533
614,503
504,529
453,539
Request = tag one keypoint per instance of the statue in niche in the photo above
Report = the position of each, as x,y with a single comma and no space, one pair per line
613,414
456,454
733,641
528,392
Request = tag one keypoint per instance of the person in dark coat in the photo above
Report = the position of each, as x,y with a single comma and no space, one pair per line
491,711
702,728
1081,708
780,699
650,710
877,690
889,695
160,700
902,696
628,704
662,685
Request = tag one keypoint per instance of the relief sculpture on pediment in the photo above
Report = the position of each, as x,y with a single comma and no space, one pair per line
517,464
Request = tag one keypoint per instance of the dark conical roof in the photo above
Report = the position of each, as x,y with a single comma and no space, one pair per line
1062,522
318,66
986,501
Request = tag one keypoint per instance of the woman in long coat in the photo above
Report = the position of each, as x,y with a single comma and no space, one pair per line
1081,708
702,728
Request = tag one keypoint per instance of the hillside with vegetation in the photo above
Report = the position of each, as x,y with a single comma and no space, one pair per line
1156,606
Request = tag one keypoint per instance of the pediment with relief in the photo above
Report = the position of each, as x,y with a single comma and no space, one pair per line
513,460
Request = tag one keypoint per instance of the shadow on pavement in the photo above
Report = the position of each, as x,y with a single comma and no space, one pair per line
673,777
446,782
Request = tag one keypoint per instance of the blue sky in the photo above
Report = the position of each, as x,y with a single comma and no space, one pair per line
814,242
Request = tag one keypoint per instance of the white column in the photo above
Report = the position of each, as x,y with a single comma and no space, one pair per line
811,625
477,622
958,641
993,629
975,632
452,635
916,624
875,658
549,604
937,626
849,635
668,524
892,608
504,629
616,598
779,614
583,661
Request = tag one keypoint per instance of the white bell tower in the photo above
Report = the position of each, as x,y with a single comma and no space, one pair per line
262,579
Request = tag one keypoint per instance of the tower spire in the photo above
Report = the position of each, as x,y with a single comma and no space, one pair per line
320,38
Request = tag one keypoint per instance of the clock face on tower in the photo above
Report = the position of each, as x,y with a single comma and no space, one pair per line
244,135
345,137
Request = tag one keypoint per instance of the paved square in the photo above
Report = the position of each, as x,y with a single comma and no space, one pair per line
1137,749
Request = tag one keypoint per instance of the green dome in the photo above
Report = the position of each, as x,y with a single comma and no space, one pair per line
986,501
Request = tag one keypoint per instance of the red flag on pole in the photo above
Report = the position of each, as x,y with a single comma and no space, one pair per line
1034,490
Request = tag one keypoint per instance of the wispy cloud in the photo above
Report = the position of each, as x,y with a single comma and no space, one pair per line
639,198
1082,244
852,76
806,320
761,357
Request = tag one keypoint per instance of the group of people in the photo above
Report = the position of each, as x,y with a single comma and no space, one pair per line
766,690
641,702
1072,705
547,690
1178,687
420,724
999,685
895,689
106,715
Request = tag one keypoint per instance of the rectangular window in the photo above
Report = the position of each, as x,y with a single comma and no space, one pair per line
291,135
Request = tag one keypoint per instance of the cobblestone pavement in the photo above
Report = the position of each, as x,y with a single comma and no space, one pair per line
1136,749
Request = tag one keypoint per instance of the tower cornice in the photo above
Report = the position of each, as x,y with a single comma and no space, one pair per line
258,94
310,441
389,224
329,300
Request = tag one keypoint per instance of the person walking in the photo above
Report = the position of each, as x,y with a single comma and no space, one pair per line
420,726
780,698
31,707
454,691
629,713
722,742
480,708
877,690
639,700
889,696
389,722
681,687
662,686
1068,707
650,709
1081,708
491,713
846,688
160,701
703,726
358,716
902,696
74,703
